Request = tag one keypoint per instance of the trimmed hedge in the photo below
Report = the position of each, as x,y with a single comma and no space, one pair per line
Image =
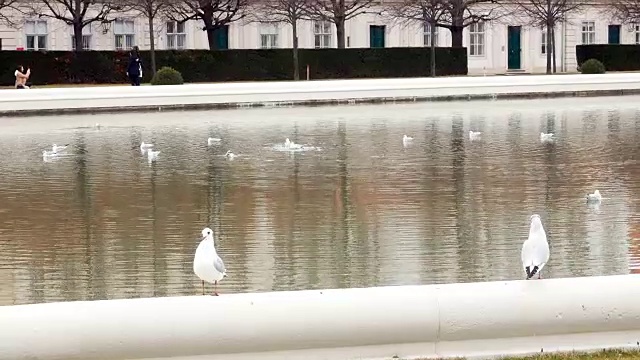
59,67
614,57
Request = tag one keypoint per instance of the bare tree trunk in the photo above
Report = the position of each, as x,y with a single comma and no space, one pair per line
211,39
432,51
549,22
553,47
152,46
77,35
77,25
457,29
456,36
207,19
296,62
548,46
339,21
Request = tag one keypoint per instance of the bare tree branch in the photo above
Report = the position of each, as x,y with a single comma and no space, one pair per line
74,13
627,11
283,11
464,13
547,14
6,8
454,15
338,12
215,14
420,11
149,9
434,13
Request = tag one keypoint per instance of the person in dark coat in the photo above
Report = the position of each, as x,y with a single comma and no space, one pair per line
134,69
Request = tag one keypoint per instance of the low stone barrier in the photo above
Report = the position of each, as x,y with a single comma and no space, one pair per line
474,320
309,93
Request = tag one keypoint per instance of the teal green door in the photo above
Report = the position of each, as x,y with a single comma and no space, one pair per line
376,36
513,48
221,35
614,34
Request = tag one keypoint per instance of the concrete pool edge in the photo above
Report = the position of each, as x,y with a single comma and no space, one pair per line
473,320
54,101
311,103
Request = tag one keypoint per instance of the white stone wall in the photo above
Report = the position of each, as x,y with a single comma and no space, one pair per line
244,34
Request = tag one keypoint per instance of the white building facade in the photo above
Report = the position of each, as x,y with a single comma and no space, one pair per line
495,47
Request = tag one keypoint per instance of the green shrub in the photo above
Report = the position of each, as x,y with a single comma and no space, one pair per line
167,76
592,66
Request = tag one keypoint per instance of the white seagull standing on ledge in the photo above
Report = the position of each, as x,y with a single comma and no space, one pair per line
535,251
206,263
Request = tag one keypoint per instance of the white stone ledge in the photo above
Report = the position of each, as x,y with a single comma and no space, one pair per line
285,93
476,320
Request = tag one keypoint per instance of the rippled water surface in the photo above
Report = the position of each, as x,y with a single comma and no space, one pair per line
362,210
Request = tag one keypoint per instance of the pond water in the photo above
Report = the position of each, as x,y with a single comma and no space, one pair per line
363,209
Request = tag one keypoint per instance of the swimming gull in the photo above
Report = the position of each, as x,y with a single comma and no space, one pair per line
48,154
145,146
152,155
291,145
229,155
57,148
474,135
595,197
406,140
546,137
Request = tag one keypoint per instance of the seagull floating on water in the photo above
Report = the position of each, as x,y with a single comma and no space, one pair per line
595,197
48,154
152,155
406,140
207,265
210,141
145,146
474,135
535,250
229,155
291,145
57,148
546,137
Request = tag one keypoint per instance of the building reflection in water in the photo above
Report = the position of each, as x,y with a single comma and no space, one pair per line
365,210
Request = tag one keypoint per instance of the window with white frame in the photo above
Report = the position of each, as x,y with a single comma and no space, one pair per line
588,32
426,32
322,34
636,33
125,35
543,42
268,35
86,38
176,35
476,39
36,34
